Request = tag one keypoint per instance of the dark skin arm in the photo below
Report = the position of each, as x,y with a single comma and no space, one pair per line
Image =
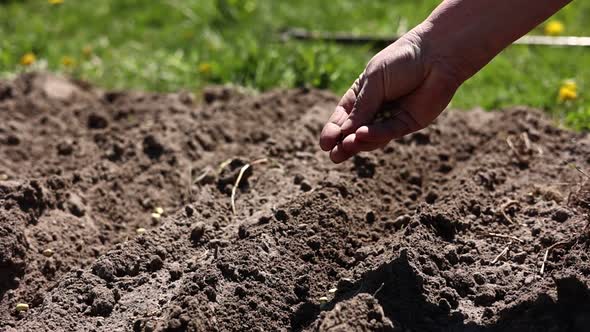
416,77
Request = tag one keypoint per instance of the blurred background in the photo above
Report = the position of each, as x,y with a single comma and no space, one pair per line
169,45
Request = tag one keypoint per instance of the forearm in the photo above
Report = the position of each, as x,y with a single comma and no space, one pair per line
466,34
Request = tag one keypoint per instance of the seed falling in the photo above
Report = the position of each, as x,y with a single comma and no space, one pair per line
22,307
140,230
333,290
159,210
156,216
48,252
323,299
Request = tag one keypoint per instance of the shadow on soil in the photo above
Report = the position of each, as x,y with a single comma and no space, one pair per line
399,290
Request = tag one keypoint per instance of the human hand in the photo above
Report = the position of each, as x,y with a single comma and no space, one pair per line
405,81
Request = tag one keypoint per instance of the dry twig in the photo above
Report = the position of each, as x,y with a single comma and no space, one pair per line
203,174
378,289
502,253
547,254
511,237
576,167
240,175
506,206
234,189
527,149
223,165
512,147
526,140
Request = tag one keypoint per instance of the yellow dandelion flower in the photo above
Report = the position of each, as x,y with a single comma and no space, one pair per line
568,91
554,28
28,59
68,61
55,2
570,84
205,68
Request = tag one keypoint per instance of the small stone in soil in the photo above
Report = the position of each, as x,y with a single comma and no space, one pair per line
198,232
561,215
479,278
175,271
189,211
155,263
305,186
402,220
243,232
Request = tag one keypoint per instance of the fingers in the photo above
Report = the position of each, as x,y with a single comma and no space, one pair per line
394,128
374,136
351,146
331,133
367,103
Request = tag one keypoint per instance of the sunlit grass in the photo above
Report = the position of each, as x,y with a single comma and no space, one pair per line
180,44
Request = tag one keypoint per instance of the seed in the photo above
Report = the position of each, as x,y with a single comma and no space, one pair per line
3,177
159,210
333,290
140,230
22,307
156,216
48,252
323,299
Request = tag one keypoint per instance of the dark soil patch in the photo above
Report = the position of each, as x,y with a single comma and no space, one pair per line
393,241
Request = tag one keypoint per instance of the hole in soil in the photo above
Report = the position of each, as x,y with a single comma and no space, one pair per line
152,148
96,121
442,225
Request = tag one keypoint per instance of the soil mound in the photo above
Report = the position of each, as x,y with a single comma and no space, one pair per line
478,222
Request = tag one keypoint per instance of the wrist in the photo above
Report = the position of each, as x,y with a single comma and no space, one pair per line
438,55
464,35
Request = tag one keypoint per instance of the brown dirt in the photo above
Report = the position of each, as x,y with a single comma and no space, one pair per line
396,240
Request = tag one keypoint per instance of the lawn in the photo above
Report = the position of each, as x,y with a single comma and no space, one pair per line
169,45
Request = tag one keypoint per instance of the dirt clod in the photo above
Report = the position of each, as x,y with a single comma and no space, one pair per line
197,232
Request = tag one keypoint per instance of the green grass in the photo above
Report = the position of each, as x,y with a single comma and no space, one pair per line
169,45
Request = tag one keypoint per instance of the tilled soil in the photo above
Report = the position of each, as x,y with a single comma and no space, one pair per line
478,222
